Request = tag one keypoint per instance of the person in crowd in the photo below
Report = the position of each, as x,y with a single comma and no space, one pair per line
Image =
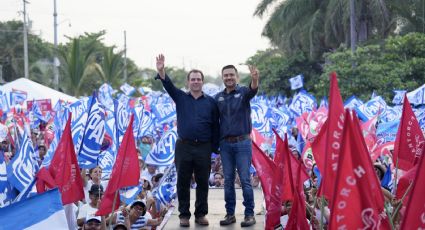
198,133
94,177
218,180
150,171
136,217
235,142
145,146
95,194
93,222
41,153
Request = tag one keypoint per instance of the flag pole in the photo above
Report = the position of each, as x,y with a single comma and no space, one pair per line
113,208
395,176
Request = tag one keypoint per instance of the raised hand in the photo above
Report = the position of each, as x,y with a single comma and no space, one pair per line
254,76
160,66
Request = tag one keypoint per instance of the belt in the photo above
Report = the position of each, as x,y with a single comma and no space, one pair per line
192,142
234,139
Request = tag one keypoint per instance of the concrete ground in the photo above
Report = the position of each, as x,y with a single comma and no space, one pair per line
216,211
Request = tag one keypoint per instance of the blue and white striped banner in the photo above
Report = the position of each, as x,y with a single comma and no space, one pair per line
7,193
105,95
79,120
162,153
94,133
23,167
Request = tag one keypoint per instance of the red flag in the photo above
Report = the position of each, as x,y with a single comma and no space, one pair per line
270,181
358,201
414,217
404,183
297,218
327,145
64,168
124,173
257,137
44,179
283,163
409,140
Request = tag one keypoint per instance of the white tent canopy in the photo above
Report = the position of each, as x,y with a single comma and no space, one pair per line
36,91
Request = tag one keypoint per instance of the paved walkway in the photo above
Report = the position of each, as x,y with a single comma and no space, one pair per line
216,211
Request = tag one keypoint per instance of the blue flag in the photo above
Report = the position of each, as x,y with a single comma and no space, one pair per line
7,193
93,135
374,106
167,189
353,102
398,97
387,180
23,167
302,102
417,96
129,194
297,82
162,153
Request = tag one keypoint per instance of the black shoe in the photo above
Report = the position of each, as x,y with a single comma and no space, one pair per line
228,219
248,221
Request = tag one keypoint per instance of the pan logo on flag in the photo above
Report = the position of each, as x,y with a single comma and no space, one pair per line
258,116
123,118
163,152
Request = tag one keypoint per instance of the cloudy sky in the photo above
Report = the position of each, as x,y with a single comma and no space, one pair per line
191,33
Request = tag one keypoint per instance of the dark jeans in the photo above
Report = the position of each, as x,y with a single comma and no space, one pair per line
193,158
238,156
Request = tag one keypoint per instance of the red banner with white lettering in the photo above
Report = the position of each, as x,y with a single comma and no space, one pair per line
409,140
358,202
327,145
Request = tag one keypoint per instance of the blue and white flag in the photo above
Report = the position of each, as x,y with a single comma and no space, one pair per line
167,189
122,118
78,121
17,97
297,82
279,117
7,193
51,150
105,95
420,115
417,96
162,153
302,102
127,89
106,161
44,211
129,194
143,123
386,132
4,102
23,167
398,97
324,102
374,106
93,135
391,114
29,191
260,117
164,112
352,102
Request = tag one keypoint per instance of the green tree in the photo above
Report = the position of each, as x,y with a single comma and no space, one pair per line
399,63
12,53
75,64
110,67
276,69
315,27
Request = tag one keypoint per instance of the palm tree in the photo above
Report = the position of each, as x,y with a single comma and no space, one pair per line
317,26
75,64
111,67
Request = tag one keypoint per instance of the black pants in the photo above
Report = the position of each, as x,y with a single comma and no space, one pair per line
192,158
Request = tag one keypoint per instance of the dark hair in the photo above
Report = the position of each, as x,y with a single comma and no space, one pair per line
158,177
229,67
141,204
195,71
42,146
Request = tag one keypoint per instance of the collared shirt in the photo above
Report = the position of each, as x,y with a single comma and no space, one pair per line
197,119
235,111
